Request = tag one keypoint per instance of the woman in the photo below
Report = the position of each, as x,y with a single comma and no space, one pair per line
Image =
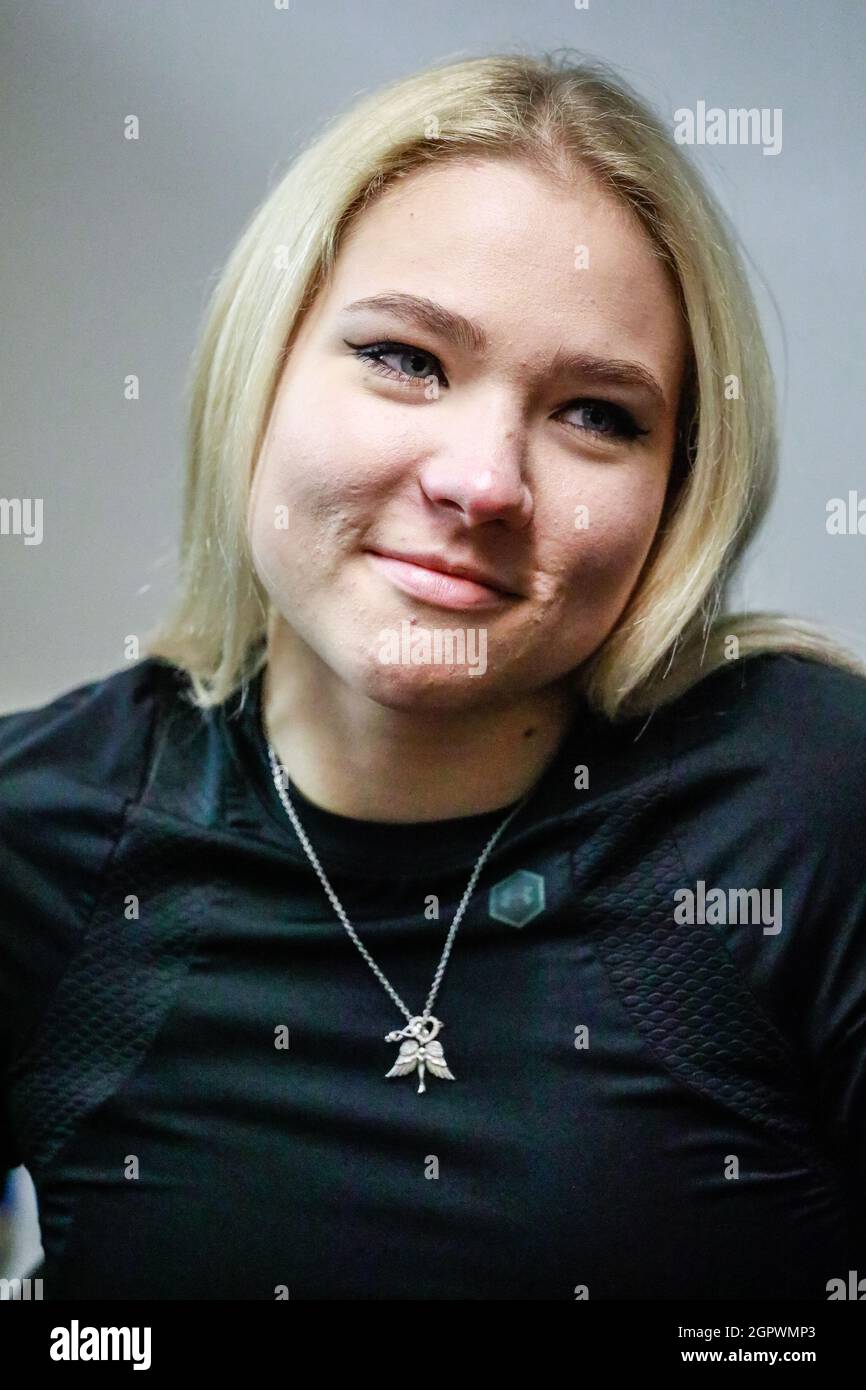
456,902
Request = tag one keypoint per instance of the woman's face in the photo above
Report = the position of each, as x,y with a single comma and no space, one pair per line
493,434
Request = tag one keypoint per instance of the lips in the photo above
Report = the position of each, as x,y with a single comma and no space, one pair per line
457,569
424,577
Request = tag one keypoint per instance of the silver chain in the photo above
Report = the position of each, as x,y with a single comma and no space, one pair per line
280,778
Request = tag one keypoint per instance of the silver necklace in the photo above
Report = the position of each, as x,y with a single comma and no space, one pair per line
419,1046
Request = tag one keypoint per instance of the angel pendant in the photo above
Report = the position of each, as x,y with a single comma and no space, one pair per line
419,1050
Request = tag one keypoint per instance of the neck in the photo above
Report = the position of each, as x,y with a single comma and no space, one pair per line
353,756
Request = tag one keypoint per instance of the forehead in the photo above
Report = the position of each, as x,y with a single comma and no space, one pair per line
538,265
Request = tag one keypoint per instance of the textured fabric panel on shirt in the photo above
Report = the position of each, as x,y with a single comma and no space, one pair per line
111,998
67,769
685,993
772,794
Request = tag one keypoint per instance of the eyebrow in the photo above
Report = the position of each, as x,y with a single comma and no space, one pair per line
463,333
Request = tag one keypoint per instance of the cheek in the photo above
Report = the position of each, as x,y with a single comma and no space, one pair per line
611,525
325,453
310,504
302,475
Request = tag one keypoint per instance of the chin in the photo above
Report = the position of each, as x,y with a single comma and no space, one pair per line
423,687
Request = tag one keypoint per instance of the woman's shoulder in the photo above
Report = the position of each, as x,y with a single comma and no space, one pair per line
94,735
783,703
774,744
68,769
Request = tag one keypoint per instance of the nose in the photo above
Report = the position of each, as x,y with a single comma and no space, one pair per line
488,486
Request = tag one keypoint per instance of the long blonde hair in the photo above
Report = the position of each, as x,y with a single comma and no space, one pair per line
558,116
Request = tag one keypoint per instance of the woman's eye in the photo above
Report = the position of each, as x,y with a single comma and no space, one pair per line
414,364
622,424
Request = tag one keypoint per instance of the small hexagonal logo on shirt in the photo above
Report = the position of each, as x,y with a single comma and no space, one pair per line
517,899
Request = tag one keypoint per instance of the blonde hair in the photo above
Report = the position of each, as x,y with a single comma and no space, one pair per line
559,116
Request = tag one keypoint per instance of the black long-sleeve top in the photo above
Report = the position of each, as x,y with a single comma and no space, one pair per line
194,1056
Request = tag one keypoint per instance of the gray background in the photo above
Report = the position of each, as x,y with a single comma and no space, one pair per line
109,248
